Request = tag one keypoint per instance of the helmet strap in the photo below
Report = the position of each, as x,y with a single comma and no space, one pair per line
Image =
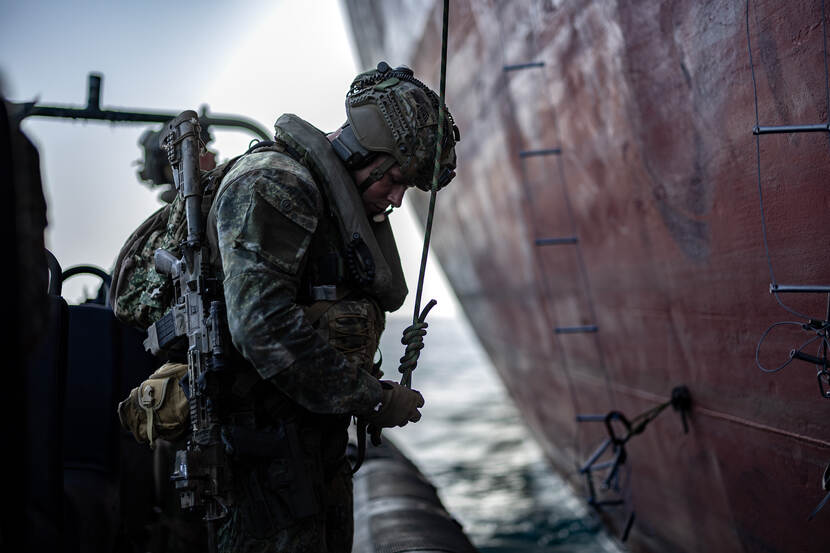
376,174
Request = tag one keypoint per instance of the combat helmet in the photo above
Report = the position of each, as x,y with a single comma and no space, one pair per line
389,111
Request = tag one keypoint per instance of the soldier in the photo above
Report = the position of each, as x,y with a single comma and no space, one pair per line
309,267
154,169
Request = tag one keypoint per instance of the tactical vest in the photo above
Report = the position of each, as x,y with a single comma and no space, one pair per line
367,260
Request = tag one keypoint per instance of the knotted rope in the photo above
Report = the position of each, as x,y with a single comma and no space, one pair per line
413,336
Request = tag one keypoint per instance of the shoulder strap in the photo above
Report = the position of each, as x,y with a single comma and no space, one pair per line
214,181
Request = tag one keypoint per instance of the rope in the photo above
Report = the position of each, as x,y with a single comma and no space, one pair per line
413,339
414,335
641,421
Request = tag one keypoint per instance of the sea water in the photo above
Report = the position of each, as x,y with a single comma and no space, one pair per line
473,446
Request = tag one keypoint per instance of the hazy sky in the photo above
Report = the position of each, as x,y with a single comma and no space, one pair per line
254,58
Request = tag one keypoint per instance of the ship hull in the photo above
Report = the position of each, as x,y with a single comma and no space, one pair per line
608,187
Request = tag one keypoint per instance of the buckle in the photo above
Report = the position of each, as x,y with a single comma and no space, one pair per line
327,292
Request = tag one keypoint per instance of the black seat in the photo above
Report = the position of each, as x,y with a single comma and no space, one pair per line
107,476
44,390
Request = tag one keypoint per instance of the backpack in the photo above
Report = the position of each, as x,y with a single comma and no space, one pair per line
139,295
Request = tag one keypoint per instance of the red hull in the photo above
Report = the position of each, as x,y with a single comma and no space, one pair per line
652,106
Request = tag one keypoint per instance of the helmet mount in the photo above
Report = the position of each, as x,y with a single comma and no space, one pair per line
349,150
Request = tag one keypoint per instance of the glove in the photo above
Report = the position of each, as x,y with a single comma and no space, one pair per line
399,406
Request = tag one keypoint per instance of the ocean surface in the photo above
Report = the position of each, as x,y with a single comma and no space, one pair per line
473,446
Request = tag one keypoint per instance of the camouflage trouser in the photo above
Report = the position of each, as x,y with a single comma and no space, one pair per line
261,521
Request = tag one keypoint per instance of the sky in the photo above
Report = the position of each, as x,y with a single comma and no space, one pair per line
253,58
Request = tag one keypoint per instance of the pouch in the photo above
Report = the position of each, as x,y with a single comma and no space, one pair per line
353,327
157,408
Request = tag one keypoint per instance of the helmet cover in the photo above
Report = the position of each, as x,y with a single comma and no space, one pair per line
391,112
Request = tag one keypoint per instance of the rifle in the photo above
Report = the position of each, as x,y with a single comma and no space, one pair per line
202,474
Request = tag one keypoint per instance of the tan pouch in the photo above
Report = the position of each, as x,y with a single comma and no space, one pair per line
157,408
353,327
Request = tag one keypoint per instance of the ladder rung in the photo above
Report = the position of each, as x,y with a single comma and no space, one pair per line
518,66
532,153
591,418
607,503
556,241
575,329
822,127
602,466
795,354
595,455
798,289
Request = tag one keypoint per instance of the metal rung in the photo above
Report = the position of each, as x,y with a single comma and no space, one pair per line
628,526
780,129
798,289
610,503
556,241
532,153
523,66
575,329
591,418
595,455
604,465
795,354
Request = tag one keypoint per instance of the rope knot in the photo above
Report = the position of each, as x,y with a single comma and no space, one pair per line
413,339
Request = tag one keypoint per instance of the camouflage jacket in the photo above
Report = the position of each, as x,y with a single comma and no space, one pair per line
268,211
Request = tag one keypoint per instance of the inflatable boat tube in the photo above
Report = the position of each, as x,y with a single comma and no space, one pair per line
397,510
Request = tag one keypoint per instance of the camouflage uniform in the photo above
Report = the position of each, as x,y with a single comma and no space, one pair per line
273,231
